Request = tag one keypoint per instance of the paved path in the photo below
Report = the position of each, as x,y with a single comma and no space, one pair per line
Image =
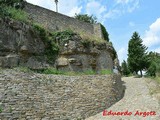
137,98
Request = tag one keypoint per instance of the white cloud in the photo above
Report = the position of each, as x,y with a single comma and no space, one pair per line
132,24
122,54
133,6
46,4
64,6
97,9
152,36
76,10
157,50
122,1
113,13
121,7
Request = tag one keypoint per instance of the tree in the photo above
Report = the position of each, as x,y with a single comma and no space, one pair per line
137,55
124,68
56,1
152,69
86,18
92,19
154,64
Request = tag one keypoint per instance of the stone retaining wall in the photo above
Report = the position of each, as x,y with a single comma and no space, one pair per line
30,96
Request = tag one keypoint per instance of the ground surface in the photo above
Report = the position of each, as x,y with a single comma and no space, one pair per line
141,95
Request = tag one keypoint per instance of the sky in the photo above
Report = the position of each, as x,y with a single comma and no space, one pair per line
120,17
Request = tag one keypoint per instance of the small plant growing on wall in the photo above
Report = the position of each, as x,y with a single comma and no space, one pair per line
10,109
1,109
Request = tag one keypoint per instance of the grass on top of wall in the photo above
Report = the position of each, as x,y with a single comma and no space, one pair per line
91,38
72,73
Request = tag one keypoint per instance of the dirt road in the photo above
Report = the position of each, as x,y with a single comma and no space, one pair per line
138,101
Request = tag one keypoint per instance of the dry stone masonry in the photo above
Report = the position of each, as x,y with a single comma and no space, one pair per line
30,96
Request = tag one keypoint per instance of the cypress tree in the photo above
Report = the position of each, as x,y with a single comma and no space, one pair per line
137,55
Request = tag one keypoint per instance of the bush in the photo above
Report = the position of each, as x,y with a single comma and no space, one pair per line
52,48
152,70
86,18
4,12
64,36
154,64
17,14
105,33
125,68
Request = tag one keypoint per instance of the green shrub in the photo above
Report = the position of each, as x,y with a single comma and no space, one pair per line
1,109
17,14
105,33
63,36
86,18
40,31
4,12
52,48
152,70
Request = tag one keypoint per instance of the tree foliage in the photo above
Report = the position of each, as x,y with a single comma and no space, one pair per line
137,55
105,33
124,68
92,19
13,3
13,9
86,18
154,64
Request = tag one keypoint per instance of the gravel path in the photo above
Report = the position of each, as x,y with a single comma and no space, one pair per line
137,98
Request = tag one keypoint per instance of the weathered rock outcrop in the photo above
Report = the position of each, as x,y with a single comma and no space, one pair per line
20,45
79,55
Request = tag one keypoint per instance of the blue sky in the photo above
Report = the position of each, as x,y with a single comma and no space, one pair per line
120,17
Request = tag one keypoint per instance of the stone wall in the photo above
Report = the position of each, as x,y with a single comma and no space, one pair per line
30,96
58,22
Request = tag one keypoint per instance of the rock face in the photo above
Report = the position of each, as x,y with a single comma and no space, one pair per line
21,45
18,44
30,96
80,55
